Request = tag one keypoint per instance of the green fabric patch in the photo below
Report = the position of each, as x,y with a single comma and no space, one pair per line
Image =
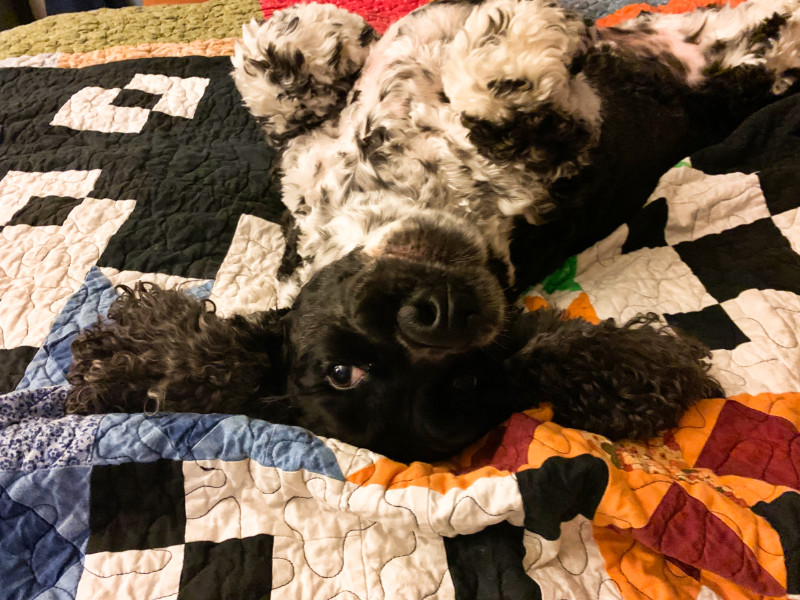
130,26
564,278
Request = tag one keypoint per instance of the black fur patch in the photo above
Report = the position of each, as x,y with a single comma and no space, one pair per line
291,259
367,36
556,138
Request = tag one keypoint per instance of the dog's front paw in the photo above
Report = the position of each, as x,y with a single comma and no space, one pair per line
510,74
295,70
629,381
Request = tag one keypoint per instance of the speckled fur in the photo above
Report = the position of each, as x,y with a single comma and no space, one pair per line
481,110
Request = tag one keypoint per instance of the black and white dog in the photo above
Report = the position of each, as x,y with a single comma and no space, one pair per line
431,174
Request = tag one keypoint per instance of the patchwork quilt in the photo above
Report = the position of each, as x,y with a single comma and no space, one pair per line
125,155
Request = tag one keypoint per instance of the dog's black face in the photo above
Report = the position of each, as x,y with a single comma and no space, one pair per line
392,352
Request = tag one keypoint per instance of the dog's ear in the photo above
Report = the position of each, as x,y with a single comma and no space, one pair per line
161,350
622,381
267,333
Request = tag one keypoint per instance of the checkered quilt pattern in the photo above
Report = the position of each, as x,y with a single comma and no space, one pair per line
125,155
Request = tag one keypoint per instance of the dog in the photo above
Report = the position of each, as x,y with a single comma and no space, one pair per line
430,175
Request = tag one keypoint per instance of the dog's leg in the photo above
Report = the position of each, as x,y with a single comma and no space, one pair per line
161,350
508,73
629,381
764,33
295,70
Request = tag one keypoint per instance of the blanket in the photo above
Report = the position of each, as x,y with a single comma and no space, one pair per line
125,155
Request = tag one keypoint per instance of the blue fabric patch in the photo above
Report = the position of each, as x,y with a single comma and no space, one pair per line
60,496
34,556
33,436
49,366
186,437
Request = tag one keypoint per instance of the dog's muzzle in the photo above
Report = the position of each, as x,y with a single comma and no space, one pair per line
433,280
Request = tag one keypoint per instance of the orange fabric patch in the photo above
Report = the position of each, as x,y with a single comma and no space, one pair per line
582,308
641,573
695,427
672,7
439,478
212,47
533,303
786,406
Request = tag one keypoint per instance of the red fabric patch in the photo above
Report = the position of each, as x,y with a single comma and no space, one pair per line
682,527
506,447
378,13
749,443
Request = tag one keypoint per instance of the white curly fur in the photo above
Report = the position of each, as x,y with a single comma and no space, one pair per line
399,148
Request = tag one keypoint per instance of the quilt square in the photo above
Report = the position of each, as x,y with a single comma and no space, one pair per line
132,575
47,210
731,262
136,98
14,362
780,183
711,325
236,569
136,506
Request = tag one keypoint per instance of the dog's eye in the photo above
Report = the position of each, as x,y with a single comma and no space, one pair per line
345,377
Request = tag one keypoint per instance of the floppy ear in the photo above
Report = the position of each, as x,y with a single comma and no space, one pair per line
622,381
161,350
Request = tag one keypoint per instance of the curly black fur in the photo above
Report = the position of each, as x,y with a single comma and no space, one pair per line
160,350
164,351
629,381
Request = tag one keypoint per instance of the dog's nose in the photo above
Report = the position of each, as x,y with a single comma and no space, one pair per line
439,316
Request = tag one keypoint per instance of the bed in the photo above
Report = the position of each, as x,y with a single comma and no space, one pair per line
125,155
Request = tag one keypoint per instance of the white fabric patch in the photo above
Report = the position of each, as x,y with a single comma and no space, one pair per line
132,575
90,109
179,95
494,499
18,187
706,593
245,281
789,224
650,279
571,566
701,204
771,360
603,252
41,267
47,60
234,499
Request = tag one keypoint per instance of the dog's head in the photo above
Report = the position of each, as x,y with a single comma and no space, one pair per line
389,347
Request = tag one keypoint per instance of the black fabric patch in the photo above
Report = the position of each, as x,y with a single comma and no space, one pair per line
236,569
646,229
559,490
752,256
191,178
780,184
136,506
711,325
14,362
488,565
47,210
136,99
783,514
766,138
